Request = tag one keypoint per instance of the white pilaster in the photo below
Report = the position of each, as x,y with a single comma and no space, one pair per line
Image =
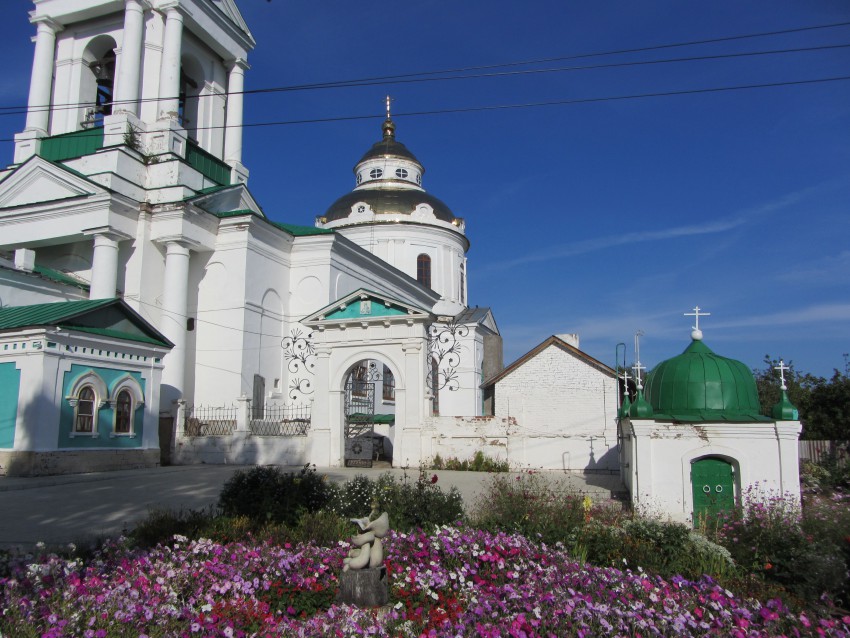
233,132
127,77
104,268
169,76
173,324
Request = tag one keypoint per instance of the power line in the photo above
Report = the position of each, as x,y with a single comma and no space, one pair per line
429,76
498,107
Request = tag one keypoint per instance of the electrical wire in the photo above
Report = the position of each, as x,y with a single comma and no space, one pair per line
429,76
524,105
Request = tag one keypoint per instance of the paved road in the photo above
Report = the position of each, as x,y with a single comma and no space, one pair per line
74,508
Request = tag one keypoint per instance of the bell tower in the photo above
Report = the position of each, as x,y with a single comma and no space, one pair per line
161,75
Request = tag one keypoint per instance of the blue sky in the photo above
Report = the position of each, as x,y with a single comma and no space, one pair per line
601,218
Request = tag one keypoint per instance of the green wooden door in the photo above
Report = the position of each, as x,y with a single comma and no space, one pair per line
713,484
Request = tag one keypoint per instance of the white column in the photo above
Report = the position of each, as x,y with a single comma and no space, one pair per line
173,324
169,76
41,81
233,130
127,77
104,266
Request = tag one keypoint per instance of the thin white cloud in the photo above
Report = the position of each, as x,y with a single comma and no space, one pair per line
602,243
828,271
820,313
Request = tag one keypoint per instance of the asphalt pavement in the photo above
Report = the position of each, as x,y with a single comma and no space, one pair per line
77,508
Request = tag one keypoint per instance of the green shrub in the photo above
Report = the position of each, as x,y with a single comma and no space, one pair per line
161,525
353,498
532,505
768,537
419,504
479,463
269,495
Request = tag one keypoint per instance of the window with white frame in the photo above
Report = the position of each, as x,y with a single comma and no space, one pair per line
85,410
124,413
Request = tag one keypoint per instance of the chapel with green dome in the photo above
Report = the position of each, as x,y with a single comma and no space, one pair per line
694,439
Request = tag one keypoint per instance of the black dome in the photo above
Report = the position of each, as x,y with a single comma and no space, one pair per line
388,200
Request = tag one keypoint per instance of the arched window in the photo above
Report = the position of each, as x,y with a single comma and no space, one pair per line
104,74
124,413
423,269
462,294
389,385
84,420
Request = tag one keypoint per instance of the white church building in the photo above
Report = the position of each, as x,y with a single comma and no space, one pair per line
137,191
150,312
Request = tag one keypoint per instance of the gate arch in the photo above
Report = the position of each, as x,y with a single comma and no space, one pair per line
368,410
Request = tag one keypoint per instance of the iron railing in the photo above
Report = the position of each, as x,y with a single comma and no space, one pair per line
210,421
280,420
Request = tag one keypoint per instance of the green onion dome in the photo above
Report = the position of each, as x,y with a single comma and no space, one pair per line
699,385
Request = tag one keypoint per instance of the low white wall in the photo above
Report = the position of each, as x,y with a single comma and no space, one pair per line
507,439
244,448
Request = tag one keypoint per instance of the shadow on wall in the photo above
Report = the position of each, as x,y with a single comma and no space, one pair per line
602,471
25,463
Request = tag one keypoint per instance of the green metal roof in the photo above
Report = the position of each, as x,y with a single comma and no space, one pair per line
699,385
292,229
107,317
302,231
59,277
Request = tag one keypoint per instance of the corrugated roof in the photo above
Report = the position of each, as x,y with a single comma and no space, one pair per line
107,317
47,314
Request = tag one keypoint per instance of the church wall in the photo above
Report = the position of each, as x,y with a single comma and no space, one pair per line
401,244
764,456
565,410
18,288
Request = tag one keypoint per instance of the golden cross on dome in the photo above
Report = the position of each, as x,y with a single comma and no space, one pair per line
389,99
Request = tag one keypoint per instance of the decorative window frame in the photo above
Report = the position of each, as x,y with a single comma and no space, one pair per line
95,382
137,399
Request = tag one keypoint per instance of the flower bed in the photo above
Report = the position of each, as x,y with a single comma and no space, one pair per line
457,582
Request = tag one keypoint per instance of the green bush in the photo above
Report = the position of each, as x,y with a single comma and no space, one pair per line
768,537
479,463
162,524
532,505
266,494
419,504
410,505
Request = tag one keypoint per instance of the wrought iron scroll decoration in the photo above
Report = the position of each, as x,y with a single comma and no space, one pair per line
445,348
300,354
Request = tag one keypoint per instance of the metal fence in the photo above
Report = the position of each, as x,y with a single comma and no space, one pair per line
210,421
280,420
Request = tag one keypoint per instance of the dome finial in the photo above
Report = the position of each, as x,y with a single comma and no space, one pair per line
696,333
388,127
782,368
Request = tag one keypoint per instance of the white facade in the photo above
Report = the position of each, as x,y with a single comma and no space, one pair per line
658,458
562,407
136,192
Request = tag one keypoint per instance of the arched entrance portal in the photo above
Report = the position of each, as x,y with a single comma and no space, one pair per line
713,483
368,413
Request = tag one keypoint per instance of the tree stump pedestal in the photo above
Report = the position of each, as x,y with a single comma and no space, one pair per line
364,587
